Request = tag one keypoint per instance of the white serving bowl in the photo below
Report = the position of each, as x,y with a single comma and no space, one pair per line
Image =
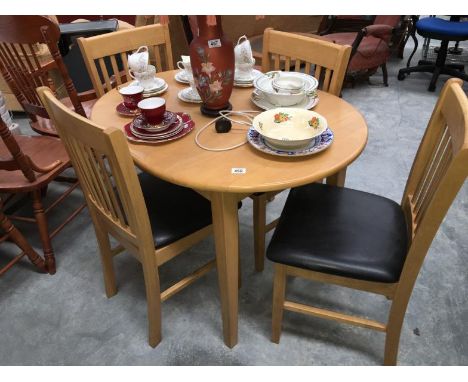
289,128
265,85
285,83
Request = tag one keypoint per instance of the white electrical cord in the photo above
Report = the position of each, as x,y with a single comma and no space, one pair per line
225,114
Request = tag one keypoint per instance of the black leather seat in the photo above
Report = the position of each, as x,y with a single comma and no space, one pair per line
342,232
174,211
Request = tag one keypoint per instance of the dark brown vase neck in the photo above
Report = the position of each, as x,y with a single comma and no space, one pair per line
209,31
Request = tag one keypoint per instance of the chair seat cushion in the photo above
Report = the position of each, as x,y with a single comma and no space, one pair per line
440,29
372,51
174,211
342,232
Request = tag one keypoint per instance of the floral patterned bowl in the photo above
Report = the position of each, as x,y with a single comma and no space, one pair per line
289,128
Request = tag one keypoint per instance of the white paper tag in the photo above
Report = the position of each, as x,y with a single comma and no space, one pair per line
238,170
216,43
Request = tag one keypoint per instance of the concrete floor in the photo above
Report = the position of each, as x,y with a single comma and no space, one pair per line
66,319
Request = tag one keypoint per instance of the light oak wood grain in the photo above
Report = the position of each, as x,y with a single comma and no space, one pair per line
183,162
439,170
115,200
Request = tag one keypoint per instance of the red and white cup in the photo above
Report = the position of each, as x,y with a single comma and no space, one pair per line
131,96
153,109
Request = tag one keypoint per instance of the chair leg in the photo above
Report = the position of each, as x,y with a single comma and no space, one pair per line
385,74
43,228
395,322
279,291
106,260
153,298
16,236
259,225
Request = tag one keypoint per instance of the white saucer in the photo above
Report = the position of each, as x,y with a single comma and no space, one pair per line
307,103
255,73
159,84
183,95
181,77
157,92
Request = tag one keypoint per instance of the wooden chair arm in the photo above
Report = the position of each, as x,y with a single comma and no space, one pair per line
380,31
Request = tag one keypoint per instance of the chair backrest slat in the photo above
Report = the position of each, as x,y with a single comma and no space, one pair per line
312,51
438,171
106,173
20,39
105,48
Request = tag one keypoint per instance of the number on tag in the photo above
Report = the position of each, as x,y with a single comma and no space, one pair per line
238,170
216,43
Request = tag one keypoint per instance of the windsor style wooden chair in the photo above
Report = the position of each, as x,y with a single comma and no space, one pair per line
27,166
153,220
98,51
367,242
324,60
21,37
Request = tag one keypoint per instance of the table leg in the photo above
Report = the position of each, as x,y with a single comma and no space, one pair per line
337,179
226,233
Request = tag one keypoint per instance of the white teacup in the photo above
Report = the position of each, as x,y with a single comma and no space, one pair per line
138,61
244,71
146,78
186,68
243,50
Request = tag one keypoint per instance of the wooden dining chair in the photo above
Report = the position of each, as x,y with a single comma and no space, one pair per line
367,242
113,47
327,62
152,219
12,234
28,164
24,69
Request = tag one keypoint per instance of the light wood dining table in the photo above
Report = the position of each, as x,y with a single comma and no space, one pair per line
210,173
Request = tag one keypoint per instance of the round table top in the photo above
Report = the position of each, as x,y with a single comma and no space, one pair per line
183,162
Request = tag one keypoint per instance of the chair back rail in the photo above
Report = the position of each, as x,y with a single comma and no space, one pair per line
106,51
438,172
325,60
23,70
107,176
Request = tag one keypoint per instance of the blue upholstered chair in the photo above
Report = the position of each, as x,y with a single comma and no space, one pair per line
446,31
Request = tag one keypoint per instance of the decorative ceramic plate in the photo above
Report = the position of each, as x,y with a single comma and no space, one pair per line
180,77
182,95
125,111
317,145
307,103
187,126
169,132
169,118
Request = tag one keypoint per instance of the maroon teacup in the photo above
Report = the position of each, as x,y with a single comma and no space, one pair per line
131,96
153,109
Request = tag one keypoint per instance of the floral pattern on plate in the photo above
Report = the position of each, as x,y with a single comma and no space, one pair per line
317,145
173,129
168,119
125,111
188,126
